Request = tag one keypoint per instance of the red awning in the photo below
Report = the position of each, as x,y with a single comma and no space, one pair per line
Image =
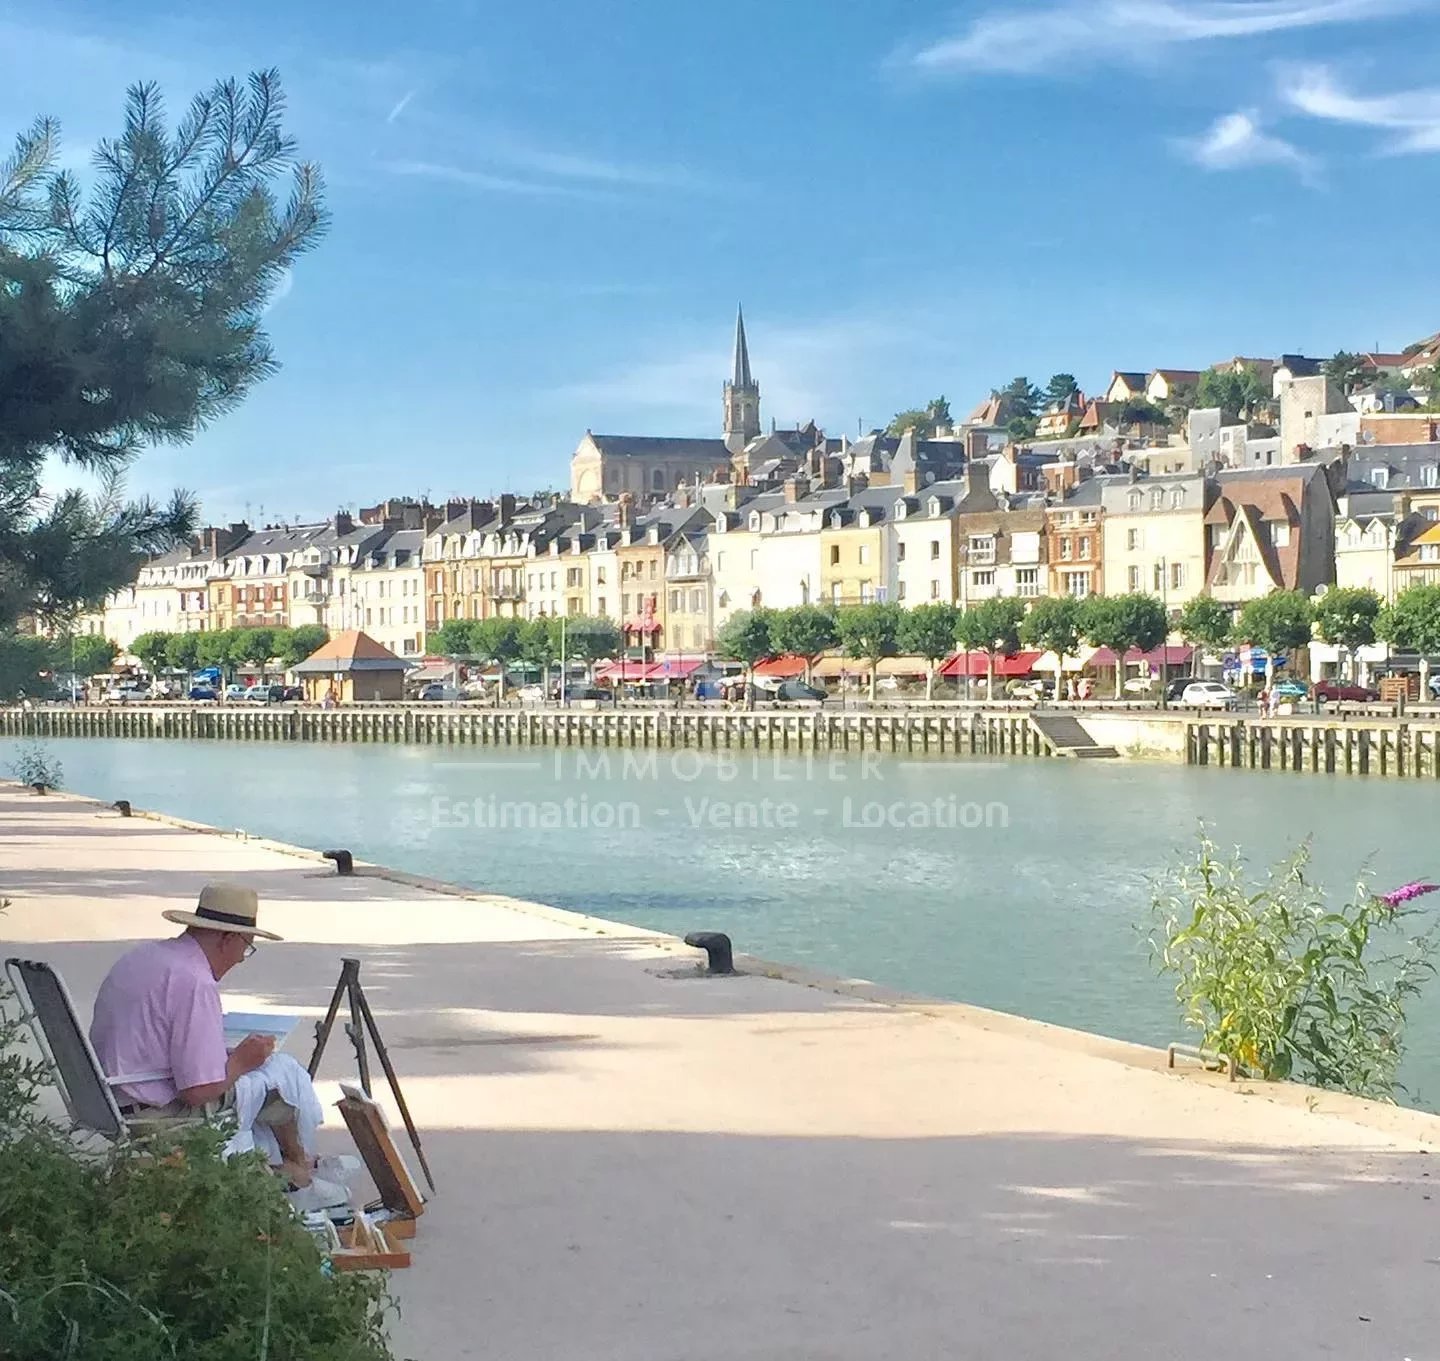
977,664
1171,655
677,668
628,671
647,625
786,667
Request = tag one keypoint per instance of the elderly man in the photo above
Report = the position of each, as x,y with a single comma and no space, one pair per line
159,1034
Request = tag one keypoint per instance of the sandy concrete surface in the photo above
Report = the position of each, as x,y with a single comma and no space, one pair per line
633,1164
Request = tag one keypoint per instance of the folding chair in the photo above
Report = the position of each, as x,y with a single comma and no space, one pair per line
65,1048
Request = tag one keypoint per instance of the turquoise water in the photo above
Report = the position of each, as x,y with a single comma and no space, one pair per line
1018,886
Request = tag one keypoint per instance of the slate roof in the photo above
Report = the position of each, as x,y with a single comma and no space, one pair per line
351,650
661,446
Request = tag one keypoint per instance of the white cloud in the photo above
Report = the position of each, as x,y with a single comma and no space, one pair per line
1412,114
1236,141
474,179
1026,41
400,106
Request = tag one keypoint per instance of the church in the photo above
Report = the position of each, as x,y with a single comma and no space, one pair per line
647,466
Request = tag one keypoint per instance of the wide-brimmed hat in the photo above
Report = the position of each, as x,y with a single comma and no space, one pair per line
223,907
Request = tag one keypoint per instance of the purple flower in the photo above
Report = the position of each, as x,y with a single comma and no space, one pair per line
1406,892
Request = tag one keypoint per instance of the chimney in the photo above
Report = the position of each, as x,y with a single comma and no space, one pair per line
343,523
1134,474
910,483
507,506
796,487
625,510
844,445
856,483
977,477
977,444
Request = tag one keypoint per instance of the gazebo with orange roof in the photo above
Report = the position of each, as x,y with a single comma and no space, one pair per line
352,666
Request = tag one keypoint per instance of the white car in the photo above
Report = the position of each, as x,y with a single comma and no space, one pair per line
531,694
1208,695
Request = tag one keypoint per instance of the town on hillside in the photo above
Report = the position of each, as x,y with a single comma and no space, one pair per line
1253,476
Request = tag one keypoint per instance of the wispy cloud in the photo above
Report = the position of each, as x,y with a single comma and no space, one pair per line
1237,141
476,179
400,106
1414,115
1038,40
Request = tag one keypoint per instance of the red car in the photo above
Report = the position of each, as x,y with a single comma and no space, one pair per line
1333,690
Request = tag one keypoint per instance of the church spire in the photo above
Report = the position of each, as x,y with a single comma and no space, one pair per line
742,394
742,352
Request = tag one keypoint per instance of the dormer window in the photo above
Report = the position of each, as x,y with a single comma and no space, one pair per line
864,519
933,506
1177,498
1380,478
900,510
1157,499
1430,474
1135,498
755,522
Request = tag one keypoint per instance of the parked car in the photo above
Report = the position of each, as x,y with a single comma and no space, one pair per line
1329,691
126,693
797,691
1141,685
581,694
1208,695
1177,685
1033,688
293,694
203,692
1291,689
265,694
531,694
436,692
236,691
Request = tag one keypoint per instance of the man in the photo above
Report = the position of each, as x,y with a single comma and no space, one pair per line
159,1030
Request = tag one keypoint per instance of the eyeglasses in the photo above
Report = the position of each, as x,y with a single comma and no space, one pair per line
249,950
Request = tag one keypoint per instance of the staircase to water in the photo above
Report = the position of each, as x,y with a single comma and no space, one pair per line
1067,736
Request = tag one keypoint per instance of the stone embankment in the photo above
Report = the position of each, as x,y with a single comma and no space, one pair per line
636,1160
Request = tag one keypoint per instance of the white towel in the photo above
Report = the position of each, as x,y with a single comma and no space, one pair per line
284,1075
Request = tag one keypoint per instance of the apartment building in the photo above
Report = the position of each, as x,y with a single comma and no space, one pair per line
1074,541
1153,535
1270,529
387,591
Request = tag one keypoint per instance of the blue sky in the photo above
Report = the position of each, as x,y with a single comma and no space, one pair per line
544,213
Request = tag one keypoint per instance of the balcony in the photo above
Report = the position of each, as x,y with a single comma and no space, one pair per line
505,590
316,569
687,569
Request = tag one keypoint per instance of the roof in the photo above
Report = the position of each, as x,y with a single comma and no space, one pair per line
1177,375
742,377
1135,381
661,446
351,650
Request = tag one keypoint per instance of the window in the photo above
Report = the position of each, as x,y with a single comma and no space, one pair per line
1132,539
1430,552
754,558
900,552
572,576
864,557
1065,549
982,548
1134,578
1084,550
1027,581
1380,477
900,591
836,595
625,605
934,549
675,601
1157,577
657,480
1431,513
600,575
1177,576
1157,499
1076,583
834,555
1135,498
867,593
654,567
1430,475
1177,498
982,580
1280,534
934,590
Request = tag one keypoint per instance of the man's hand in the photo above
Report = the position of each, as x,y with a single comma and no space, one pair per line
249,1055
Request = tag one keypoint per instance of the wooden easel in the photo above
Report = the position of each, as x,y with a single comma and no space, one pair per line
370,1243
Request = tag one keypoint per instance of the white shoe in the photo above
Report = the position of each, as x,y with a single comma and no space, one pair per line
339,1167
319,1195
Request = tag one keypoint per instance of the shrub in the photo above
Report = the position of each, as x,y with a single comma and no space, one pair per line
1286,984
35,766
153,1251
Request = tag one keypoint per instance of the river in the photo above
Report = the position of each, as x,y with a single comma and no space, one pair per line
1021,885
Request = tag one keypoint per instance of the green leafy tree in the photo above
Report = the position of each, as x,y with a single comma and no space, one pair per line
928,631
1412,624
1121,622
1205,622
151,650
992,627
1237,394
747,636
1278,622
1142,411
498,642
86,654
1060,388
923,420
539,643
592,638
1346,617
23,657
805,631
131,314
1053,625
215,648
182,652
870,632
454,638
292,646
252,647
1344,369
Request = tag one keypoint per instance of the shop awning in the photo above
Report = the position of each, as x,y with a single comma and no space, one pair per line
628,672
678,668
1171,655
976,664
785,667
902,666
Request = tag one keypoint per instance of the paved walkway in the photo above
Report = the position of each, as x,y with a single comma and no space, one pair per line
643,1166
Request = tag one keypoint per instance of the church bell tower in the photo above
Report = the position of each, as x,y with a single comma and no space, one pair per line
742,395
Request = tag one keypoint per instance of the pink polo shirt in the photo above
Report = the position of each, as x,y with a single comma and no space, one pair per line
158,1011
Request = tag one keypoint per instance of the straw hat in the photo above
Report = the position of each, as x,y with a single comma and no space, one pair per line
223,907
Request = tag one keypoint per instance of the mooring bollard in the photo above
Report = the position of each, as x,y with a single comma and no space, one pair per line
716,945
122,806
344,861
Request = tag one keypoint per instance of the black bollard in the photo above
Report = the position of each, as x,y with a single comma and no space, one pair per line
716,945
122,806
344,861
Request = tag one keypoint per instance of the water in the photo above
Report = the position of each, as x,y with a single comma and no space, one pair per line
1022,890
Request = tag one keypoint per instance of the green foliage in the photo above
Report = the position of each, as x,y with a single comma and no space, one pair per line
1236,394
1277,978
454,638
1060,388
87,654
870,631
1277,622
805,630
151,649
539,642
35,766
1344,369
1205,622
923,420
1021,397
131,312
992,626
747,636
1142,411
23,657
1121,622
292,646
251,647
592,638
1412,623
182,651
1053,625
496,640
928,631
1346,616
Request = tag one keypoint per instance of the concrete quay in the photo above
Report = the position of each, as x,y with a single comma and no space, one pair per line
638,1162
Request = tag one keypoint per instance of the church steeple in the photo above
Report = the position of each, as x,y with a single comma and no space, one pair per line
742,394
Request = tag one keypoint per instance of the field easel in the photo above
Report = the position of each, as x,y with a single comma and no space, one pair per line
362,1019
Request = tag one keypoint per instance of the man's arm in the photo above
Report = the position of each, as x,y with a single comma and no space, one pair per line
247,1056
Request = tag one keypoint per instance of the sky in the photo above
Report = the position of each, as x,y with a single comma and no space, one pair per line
544,214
